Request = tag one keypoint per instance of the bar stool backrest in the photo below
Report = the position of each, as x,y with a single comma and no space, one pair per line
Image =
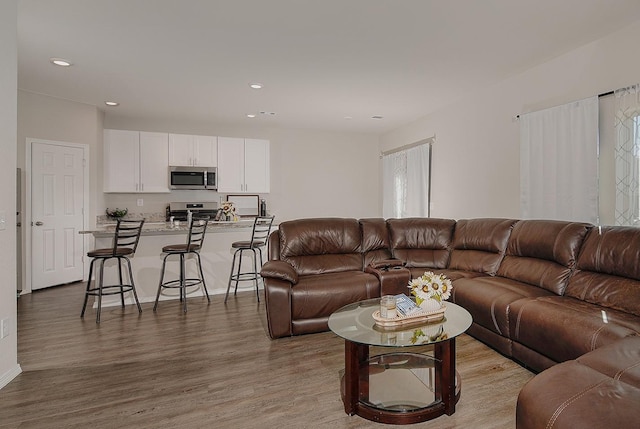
127,235
261,229
197,230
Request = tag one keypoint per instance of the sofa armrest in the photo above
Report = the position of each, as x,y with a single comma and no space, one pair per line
386,264
393,277
279,270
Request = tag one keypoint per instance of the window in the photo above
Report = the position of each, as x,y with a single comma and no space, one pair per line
627,155
406,176
559,162
636,153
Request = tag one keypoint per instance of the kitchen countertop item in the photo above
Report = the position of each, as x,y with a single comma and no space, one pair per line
180,210
159,228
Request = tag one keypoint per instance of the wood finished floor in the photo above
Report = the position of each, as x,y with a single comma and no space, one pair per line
214,367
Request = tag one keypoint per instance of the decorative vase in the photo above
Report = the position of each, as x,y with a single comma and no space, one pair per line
430,305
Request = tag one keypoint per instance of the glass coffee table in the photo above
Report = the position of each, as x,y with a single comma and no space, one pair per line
401,387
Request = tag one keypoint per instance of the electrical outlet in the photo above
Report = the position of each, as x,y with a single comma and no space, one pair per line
140,202
3,220
4,328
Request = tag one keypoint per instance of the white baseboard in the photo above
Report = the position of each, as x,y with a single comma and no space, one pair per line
9,375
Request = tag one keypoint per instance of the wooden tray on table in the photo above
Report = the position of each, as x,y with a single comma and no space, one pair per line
400,320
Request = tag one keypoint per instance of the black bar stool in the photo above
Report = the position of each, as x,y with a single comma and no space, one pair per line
125,243
259,235
195,239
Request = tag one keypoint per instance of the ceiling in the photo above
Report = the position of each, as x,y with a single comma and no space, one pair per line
326,65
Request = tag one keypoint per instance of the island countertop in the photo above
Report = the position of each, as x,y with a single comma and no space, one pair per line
166,228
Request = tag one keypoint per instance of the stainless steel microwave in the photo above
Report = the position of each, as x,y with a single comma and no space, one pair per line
193,178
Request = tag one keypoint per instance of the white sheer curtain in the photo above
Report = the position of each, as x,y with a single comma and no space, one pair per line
627,155
405,178
559,162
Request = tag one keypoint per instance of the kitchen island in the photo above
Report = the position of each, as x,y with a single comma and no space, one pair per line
216,258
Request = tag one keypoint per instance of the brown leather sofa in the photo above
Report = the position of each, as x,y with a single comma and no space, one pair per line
315,267
542,292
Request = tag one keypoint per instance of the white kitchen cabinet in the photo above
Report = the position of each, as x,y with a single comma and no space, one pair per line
187,150
243,165
154,162
136,161
256,166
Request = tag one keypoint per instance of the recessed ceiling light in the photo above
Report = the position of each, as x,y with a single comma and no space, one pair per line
111,103
60,62
348,117
251,115
256,85
377,117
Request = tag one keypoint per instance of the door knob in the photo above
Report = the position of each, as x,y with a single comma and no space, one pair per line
38,223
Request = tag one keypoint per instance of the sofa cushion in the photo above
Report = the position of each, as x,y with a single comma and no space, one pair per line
325,245
489,298
479,244
563,328
608,269
620,360
312,298
600,389
450,274
421,242
543,253
571,395
375,240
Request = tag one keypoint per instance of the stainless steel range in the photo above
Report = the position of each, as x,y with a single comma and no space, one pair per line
180,211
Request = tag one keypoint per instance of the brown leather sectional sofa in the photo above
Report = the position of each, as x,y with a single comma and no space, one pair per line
558,297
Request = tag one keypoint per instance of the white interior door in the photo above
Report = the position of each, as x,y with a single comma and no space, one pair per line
57,193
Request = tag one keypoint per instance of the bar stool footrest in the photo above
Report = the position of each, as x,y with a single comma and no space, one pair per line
245,277
177,284
110,290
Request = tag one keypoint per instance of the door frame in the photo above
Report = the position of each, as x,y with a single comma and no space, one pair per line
27,222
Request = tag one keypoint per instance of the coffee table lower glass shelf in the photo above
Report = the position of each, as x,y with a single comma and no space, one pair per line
399,387
400,382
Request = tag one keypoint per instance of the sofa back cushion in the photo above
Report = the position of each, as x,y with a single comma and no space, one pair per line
375,240
608,269
479,244
543,253
322,245
421,242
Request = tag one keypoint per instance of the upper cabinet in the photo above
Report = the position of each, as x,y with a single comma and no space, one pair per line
187,150
256,166
243,165
136,161
154,162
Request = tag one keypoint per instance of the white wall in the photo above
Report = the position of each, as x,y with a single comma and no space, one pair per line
9,367
55,119
313,173
476,154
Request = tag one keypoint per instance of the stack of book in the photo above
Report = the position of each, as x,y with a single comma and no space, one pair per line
406,306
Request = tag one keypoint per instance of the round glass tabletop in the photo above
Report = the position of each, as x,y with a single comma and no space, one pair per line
354,322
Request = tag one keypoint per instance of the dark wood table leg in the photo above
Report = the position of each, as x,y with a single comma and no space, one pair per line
355,355
355,386
445,355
